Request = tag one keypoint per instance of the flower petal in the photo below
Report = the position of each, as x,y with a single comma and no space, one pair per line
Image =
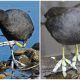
57,66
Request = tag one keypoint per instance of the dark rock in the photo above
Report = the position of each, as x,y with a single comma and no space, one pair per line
20,51
36,46
30,53
71,74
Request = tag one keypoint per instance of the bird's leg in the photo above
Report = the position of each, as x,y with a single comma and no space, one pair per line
24,44
12,62
77,51
13,58
76,57
63,63
20,45
63,56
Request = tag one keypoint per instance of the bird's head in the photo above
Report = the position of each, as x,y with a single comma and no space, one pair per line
3,16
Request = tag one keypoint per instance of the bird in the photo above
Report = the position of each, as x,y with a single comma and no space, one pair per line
63,24
16,25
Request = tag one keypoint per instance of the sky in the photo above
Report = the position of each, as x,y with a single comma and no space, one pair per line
30,7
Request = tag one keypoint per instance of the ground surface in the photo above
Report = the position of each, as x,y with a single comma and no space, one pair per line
48,65
27,56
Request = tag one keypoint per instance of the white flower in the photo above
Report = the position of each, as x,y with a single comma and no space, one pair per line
57,66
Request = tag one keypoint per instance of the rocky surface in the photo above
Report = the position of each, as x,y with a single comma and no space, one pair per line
29,57
47,65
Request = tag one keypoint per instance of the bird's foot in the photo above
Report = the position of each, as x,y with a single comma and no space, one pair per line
62,63
75,58
74,61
